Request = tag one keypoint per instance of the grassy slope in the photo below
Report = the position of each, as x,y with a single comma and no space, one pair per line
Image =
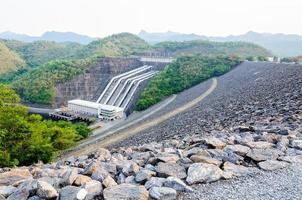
9,60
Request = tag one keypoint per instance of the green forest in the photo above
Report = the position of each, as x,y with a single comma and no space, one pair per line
36,68
182,74
27,139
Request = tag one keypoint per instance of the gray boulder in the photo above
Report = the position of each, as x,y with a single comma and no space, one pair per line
297,144
177,184
69,177
163,193
155,182
72,193
20,194
235,170
264,154
5,191
126,192
271,165
94,189
46,191
170,169
203,173
144,175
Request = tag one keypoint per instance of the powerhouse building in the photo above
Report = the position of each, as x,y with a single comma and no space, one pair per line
93,109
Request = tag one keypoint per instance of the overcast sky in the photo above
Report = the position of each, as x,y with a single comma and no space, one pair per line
100,18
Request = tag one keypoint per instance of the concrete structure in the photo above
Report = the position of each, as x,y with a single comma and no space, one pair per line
94,109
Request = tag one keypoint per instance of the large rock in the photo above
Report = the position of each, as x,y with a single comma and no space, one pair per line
205,159
163,193
177,184
203,173
2,197
130,168
92,167
260,145
69,177
102,154
72,193
144,175
270,165
264,154
297,144
14,175
238,149
170,169
46,191
81,180
109,182
292,159
215,142
155,182
235,170
7,190
168,157
20,194
126,192
94,189
99,174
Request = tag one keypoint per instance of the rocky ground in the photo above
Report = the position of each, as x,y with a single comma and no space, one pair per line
253,93
166,169
244,141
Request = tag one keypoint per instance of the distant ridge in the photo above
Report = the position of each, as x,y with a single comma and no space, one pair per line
279,44
49,36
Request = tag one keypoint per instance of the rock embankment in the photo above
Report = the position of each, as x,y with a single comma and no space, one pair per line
156,170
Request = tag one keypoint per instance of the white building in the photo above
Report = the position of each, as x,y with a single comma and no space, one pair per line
94,109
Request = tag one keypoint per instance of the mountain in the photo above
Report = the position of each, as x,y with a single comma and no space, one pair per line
66,37
279,44
49,36
9,60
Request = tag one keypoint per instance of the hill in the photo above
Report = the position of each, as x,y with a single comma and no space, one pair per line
55,63
9,60
209,48
49,36
40,52
123,44
279,44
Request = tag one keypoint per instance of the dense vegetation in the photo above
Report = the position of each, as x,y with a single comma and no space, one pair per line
209,48
40,52
26,139
123,44
184,73
38,85
9,60
50,63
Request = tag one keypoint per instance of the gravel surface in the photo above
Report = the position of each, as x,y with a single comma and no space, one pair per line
280,184
250,94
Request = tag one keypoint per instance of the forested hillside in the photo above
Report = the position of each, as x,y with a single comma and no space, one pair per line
27,139
9,60
50,63
182,74
40,52
123,44
242,49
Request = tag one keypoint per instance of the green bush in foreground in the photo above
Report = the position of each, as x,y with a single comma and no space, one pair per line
184,73
27,139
